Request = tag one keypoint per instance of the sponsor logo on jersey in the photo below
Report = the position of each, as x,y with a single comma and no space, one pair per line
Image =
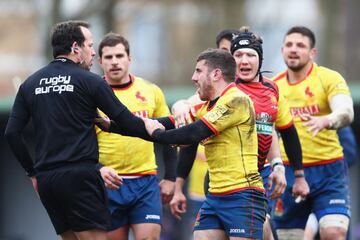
215,114
57,84
312,110
264,123
264,128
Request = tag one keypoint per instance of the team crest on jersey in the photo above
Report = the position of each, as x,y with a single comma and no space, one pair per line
308,92
140,97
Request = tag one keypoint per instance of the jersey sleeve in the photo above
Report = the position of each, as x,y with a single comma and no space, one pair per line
162,109
335,84
283,118
229,111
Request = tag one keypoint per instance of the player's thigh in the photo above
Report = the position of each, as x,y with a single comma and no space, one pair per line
121,233
210,234
149,231
92,235
68,235
242,214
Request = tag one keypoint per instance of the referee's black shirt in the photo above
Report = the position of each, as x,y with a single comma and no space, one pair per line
62,99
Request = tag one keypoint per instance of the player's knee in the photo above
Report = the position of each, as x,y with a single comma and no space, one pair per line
334,226
290,234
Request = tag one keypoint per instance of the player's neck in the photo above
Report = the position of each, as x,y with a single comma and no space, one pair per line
298,76
219,89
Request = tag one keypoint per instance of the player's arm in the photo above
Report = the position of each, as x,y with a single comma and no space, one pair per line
342,114
186,160
277,176
293,151
18,119
190,134
127,123
167,184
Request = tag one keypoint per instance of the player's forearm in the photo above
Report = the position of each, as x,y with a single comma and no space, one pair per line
274,151
342,111
292,147
179,184
186,160
170,161
190,134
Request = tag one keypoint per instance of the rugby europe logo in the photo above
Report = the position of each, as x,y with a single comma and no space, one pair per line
57,84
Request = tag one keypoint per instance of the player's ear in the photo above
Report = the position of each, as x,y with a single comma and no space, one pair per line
313,53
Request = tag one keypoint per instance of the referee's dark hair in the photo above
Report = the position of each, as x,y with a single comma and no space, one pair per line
64,34
221,59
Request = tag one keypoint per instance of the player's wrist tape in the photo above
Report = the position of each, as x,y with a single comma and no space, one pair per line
276,161
299,175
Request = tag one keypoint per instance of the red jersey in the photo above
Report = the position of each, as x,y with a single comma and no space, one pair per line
265,96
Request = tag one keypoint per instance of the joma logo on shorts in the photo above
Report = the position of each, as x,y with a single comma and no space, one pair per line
152,217
337,201
237,230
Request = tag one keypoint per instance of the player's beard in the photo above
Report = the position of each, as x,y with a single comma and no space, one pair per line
296,67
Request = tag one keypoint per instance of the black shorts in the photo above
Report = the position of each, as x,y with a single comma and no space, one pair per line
75,198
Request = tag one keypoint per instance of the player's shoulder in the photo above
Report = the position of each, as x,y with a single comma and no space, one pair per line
270,84
327,72
145,83
279,77
233,96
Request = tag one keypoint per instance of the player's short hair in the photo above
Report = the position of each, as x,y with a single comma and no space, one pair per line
111,40
303,31
218,58
227,34
64,34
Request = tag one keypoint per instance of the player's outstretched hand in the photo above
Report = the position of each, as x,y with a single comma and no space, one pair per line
151,125
315,124
111,178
